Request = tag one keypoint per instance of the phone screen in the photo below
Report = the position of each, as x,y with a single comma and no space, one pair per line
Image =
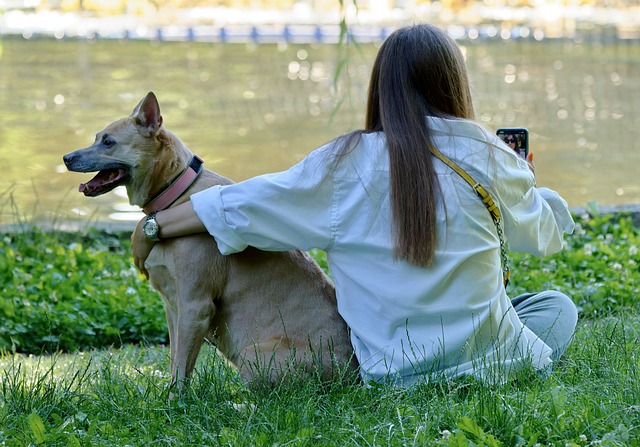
517,138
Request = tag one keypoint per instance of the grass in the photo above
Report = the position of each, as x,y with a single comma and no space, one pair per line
118,396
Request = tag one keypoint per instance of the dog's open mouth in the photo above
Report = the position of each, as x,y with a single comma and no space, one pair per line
103,182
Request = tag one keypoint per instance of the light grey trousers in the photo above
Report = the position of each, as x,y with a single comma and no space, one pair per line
551,315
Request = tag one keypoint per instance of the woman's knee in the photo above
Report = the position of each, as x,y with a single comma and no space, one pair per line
546,305
551,315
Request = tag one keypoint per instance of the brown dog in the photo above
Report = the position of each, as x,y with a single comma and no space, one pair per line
268,312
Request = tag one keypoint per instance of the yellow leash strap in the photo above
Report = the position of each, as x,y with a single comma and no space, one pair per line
488,202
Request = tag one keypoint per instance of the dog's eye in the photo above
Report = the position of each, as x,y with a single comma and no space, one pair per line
107,141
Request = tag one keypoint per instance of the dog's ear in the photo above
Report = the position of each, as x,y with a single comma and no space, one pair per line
147,114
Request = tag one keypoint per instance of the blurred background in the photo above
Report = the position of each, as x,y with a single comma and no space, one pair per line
252,86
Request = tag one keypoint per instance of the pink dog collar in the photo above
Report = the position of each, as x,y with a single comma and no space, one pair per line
166,198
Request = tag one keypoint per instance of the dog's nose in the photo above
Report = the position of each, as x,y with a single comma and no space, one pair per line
68,158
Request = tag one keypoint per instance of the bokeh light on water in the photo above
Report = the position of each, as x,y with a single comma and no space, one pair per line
250,108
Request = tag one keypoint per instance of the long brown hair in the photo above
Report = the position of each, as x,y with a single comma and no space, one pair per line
419,72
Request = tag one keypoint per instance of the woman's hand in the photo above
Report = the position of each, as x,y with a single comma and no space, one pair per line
141,246
529,161
179,220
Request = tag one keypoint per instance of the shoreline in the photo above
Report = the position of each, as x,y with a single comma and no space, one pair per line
304,23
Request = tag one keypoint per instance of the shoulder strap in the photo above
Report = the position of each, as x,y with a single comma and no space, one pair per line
488,202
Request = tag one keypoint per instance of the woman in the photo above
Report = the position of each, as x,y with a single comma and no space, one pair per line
413,251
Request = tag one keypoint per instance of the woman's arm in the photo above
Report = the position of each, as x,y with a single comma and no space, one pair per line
180,220
536,221
272,212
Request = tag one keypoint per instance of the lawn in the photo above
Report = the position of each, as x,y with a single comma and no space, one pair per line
85,362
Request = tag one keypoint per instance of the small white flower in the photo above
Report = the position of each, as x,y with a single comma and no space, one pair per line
446,434
583,438
244,407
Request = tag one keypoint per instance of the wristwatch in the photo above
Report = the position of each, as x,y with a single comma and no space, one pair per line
151,228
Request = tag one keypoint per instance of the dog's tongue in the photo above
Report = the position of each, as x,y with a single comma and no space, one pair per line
103,182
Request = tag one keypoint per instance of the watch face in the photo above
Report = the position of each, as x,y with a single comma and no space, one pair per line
150,228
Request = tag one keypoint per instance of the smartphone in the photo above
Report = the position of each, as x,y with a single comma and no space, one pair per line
517,138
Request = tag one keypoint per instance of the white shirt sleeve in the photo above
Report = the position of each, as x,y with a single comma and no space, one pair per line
534,218
536,223
273,212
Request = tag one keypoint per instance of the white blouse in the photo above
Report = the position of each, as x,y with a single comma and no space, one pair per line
406,322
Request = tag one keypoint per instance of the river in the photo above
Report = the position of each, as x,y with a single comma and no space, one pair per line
251,108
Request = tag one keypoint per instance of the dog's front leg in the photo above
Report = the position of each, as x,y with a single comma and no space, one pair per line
163,280
172,318
192,327
188,320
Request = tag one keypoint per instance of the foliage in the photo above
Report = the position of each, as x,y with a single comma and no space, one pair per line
78,290
599,268
73,291
119,397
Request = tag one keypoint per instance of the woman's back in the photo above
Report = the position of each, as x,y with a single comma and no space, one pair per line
407,320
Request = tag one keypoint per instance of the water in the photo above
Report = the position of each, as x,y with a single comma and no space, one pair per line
249,109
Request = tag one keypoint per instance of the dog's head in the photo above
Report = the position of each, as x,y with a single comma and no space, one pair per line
121,152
